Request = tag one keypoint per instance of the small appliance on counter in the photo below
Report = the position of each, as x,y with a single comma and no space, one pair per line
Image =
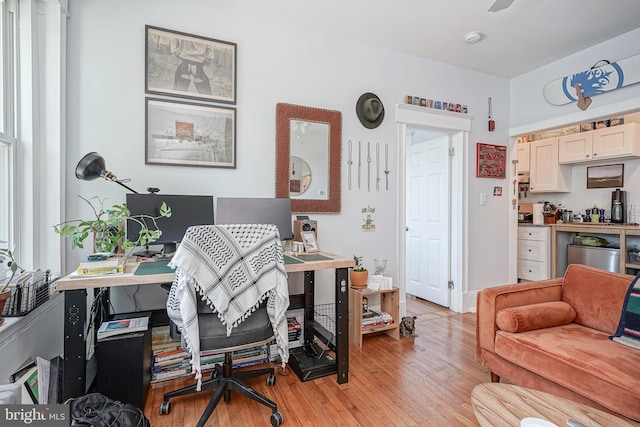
618,203
525,213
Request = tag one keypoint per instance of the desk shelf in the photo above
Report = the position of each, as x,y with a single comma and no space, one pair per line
389,302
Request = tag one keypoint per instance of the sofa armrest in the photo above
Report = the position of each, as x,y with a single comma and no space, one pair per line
492,300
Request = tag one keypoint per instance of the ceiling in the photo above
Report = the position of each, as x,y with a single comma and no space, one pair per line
525,36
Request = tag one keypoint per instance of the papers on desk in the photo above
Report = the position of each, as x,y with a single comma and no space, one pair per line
75,275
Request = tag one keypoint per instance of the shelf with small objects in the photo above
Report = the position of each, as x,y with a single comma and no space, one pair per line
363,320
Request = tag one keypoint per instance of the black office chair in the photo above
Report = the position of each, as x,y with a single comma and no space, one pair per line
254,331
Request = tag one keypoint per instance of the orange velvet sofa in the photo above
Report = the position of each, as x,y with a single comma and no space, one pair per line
553,336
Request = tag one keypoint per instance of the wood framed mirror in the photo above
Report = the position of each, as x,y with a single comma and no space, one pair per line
308,151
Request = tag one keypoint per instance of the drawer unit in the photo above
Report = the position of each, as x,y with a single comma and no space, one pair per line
532,270
533,233
534,253
533,250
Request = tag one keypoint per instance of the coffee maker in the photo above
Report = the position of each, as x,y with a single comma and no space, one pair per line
618,202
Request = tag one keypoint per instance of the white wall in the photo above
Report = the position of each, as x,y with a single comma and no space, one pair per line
277,62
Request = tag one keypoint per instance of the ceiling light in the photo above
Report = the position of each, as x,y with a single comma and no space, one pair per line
473,37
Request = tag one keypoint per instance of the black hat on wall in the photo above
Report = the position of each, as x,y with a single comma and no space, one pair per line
370,110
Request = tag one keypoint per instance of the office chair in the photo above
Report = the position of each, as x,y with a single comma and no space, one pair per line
239,270
254,331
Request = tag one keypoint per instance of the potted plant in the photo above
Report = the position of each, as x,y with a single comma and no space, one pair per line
358,274
6,258
107,227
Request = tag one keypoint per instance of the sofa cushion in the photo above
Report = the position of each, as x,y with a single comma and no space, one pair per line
581,359
535,316
628,332
596,295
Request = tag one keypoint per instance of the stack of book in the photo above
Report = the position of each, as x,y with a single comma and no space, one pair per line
372,319
166,355
294,328
170,360
295,333
112,265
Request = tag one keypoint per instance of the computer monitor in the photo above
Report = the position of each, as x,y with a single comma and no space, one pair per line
248,210
186,210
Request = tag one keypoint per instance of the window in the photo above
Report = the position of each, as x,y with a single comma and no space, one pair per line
8,122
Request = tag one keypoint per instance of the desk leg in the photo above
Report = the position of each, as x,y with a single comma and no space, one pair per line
342,325
74,361
309,301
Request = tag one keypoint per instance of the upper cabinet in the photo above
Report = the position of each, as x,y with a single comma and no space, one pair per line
546,174
575,148
606,143
523,158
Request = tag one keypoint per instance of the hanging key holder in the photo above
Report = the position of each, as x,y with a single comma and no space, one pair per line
492,123
349,162
386,166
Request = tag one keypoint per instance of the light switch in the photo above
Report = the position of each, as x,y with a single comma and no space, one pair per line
483,199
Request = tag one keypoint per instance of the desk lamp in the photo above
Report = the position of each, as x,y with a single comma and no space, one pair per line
92,166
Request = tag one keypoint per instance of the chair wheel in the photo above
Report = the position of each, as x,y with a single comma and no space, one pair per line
165,407
271,379
276,419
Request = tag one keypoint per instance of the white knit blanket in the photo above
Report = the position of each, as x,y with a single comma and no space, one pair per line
233,268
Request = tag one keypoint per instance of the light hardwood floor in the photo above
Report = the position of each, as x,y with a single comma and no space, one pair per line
416,381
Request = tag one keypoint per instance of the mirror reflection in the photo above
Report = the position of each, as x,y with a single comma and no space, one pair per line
300,177
308,143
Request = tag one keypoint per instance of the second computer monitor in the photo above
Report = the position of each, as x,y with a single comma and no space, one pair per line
250,210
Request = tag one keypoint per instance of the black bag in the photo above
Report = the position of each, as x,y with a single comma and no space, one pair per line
98,410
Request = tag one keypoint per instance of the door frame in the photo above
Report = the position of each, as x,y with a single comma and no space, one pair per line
458,126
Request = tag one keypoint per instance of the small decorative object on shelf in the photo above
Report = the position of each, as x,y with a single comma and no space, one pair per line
438,105
358,275
381,266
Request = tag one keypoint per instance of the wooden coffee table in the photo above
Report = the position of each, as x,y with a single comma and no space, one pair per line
496,404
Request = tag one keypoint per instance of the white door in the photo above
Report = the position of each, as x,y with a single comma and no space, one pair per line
428,186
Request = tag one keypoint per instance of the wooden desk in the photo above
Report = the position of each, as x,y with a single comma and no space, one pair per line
75,314
496,404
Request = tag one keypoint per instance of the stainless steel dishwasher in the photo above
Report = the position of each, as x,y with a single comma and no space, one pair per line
593,256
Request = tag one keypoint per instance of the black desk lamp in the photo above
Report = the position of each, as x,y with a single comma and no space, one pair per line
92,166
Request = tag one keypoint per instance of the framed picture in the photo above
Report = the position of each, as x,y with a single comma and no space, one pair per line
608,176
190,66
491,161
190,134
309,241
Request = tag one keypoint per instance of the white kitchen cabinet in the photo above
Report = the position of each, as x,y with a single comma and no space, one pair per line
546,173
575,148
534,252
523,157
614,142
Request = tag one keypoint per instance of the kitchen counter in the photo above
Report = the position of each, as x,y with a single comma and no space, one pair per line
562,234
530,224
